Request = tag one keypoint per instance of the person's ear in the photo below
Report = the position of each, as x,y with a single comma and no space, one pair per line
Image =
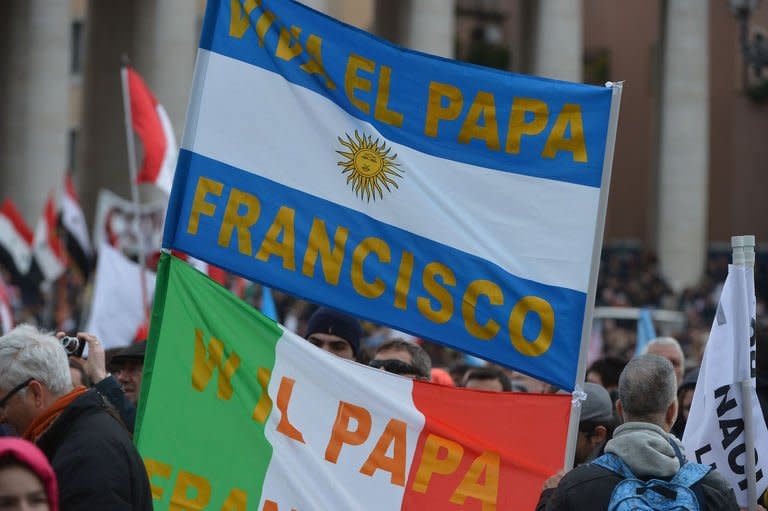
671,416
599,434
620,410
36,393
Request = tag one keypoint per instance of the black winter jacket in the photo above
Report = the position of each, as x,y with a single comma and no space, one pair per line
110,388
589,487
96,464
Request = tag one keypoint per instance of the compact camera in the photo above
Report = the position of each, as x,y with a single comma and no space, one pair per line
73,346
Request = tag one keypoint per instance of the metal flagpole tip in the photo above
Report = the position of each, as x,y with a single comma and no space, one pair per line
125,61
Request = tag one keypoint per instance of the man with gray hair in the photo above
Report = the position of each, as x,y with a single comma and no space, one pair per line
96,464
414,361
669,348
642,450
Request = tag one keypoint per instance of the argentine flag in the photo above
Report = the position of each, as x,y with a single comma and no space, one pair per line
457,203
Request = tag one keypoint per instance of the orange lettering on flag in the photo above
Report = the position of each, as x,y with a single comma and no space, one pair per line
271,506
431,463
237,500
341,434
283,398
471,486
264,405
180,500
203,367
394,434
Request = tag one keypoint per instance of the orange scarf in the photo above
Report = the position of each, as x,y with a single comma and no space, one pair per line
44,420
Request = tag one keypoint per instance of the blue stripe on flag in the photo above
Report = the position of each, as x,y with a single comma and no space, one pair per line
208,241
645,330
392,79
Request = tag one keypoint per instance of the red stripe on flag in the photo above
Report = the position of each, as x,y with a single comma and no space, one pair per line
54,241
146,122
8,209
69,186
499,462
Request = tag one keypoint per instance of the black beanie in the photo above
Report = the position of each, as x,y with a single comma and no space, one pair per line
329,321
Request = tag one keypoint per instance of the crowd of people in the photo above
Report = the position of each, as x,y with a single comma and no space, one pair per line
75,416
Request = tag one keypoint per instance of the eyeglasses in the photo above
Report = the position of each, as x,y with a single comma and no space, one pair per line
13,391
395,366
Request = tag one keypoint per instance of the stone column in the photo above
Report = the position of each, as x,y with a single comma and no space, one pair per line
318,5
102,154
160,38
684,146
429,26
34,101
165,40
557,40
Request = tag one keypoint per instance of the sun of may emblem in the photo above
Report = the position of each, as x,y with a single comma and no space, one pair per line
369,166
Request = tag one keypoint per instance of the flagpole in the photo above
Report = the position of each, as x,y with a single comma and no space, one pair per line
134,184
589,306
744,255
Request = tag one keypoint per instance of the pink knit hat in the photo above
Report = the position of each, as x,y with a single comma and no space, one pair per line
27,454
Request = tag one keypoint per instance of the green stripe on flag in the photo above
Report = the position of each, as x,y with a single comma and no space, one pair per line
201,418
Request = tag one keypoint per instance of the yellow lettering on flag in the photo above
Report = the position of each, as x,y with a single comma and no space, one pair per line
203,367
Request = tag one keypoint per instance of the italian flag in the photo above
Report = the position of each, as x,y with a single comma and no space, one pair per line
237,413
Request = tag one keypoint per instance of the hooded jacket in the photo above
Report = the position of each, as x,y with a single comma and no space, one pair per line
646,449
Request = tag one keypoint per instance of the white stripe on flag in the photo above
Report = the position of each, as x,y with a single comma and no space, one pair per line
553,250
164,179
49,263
6,317
15,245
312,410
74,222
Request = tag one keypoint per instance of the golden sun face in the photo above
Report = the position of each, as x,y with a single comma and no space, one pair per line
369,166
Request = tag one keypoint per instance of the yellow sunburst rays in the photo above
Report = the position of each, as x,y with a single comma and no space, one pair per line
369,165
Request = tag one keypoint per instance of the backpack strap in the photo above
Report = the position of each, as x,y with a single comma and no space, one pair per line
690,474
615,464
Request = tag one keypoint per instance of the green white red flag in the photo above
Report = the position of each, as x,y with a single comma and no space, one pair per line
238,413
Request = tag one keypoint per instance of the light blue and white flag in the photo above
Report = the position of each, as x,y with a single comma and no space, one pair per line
646,332
457,203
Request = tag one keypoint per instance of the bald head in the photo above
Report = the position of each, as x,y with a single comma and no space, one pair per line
647,390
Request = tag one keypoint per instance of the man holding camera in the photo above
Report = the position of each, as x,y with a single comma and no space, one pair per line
96,464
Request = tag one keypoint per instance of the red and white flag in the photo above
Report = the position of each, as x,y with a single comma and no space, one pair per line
151,122
15,240
6,316
48,250
78,243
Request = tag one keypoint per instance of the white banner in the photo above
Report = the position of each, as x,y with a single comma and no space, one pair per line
116,311
714,433
114,224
